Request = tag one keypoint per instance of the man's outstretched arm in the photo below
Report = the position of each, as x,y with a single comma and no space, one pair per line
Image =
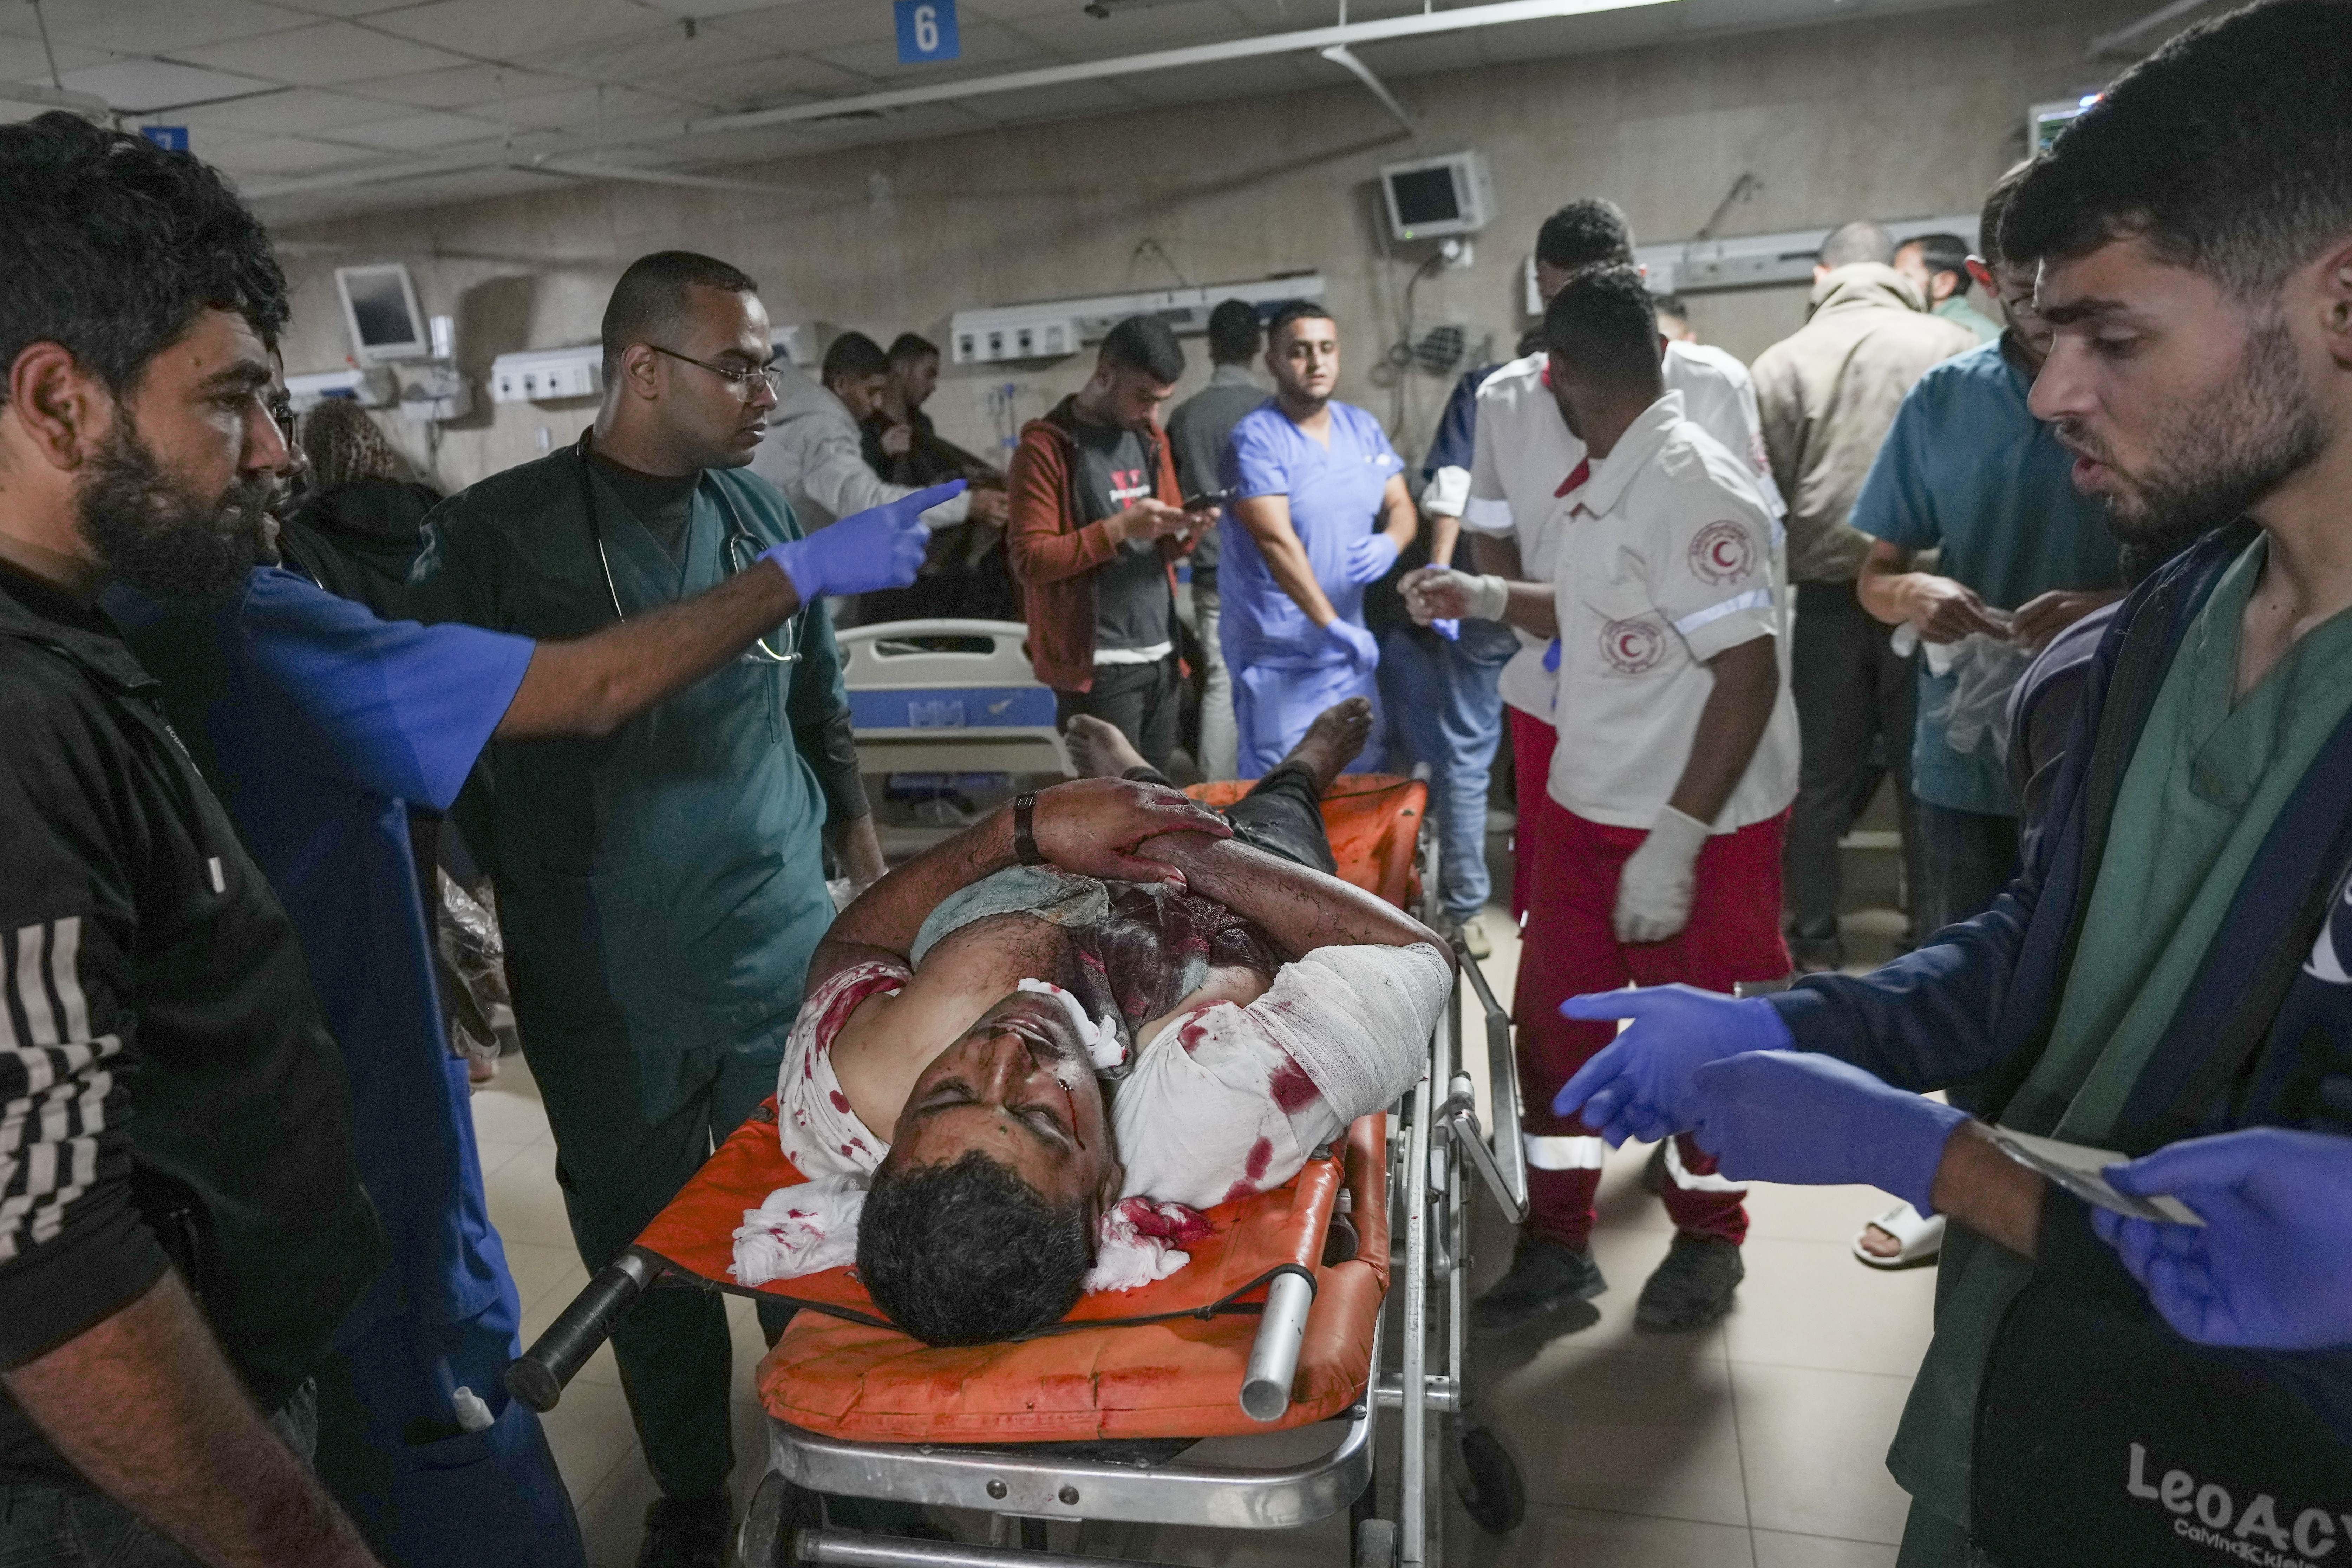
143,1405
1301,908
1088,825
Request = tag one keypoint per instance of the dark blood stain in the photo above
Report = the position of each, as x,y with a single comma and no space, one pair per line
1291,1087
841,1101
1238,1191
1261,1155
1193,1033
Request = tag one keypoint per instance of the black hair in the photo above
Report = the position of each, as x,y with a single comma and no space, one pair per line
1996,203
1234,335
112,246
1587,232
652,294
909,347
1860,240
2229,151
968,1254
853,354
1671,305
1297,311
1941,253
1146,343
1604,324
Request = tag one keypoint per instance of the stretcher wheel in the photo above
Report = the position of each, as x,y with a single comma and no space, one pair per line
1375,1544
1490,1488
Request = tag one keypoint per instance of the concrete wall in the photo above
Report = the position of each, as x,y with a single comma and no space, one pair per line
1880,117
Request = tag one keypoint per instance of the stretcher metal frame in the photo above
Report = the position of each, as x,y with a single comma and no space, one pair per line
1437,1144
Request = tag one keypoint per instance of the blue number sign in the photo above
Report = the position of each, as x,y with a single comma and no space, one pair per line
171,138
927,30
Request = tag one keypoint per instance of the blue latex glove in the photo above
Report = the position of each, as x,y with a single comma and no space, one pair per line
1362,651
1551,656
1450,630
1369,558
1639,1084
881,547
2270,1269
1815,1121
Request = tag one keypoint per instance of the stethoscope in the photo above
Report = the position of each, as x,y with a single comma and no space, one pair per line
741,548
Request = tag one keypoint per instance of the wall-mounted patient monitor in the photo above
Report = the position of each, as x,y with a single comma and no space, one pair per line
380,311
1430,198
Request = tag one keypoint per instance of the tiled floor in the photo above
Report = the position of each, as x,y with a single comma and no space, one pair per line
1756,1443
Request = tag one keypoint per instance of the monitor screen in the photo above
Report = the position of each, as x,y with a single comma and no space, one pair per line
382,310
1426,196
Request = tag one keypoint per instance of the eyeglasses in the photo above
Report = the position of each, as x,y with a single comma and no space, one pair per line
747,381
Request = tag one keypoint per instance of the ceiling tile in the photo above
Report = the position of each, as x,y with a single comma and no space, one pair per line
589,108
661,51
415,132
345,8
23,59
322,54
161,26
1014,10
280,155
1062,102
1135,32
140,87
814,24
291,112
759,84
461,86
510,28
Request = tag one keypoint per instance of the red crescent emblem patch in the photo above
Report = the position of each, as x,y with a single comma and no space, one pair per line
1634,646
1722,552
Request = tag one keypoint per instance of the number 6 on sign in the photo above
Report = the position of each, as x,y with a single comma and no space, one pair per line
927,30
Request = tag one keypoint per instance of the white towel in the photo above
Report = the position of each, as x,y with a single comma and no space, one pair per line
800,1230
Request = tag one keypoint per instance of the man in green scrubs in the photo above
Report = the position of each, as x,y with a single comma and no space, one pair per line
662,887
2168,977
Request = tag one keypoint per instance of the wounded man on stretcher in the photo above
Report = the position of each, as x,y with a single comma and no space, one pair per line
1010,1083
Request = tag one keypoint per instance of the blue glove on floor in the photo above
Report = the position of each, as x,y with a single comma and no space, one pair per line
1369,558
1815,1121
881,547
1639,1084
1362,651
2270,1269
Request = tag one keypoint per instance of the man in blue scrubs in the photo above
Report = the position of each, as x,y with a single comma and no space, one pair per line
1319,509
319,725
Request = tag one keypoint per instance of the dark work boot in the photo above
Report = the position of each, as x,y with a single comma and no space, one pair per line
1545,1277
1693,1287
687,1533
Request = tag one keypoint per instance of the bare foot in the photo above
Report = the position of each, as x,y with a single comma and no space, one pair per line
1097,750
1332,741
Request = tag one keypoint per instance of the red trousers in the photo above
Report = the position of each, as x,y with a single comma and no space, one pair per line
1569,949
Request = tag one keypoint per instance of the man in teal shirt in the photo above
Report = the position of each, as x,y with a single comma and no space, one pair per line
662,886
2165,985
1968,471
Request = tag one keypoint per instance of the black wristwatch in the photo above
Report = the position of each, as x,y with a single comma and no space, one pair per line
1024,836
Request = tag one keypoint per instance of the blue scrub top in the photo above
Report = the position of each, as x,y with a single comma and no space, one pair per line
1967,470
322,722
1335,500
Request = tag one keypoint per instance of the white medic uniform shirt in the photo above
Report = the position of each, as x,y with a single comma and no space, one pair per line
1523,456
1661,560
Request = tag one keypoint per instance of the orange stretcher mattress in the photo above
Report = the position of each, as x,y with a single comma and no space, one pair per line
1165,1360
1177,1377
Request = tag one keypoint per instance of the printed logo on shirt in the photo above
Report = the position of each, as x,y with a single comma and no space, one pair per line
1722,552
1128,486
2327,950
1634,646
2266,1531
